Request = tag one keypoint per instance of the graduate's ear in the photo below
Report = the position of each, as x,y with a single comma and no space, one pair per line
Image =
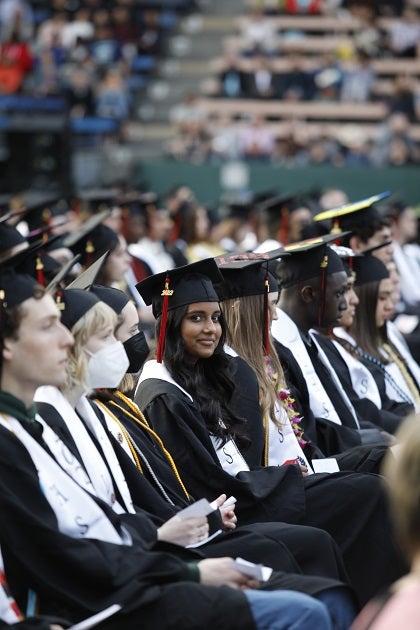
307,294
356,244
7,352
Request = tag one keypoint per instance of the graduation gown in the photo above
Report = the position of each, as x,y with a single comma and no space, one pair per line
76,577
385,417
337,440
286,550
279,493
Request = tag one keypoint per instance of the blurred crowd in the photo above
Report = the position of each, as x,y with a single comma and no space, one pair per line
268,62
95,53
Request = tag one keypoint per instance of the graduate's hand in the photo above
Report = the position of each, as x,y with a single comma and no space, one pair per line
303,470
229,518
220,571
184,532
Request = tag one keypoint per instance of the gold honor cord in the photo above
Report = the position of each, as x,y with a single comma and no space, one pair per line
405,373
138,417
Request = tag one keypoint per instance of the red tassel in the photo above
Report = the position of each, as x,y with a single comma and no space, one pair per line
161,342
266,322
321,310
40,271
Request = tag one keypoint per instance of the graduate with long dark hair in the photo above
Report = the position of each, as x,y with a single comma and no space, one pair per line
187,400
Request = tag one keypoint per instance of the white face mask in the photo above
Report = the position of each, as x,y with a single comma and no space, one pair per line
107,366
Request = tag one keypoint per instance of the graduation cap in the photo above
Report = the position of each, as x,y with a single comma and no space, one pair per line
87,226
310,259
369,269
15,288
370,250
179,287
99,199
59,277
74,304
115,298
9,238
277,209
34,261
351,216
347,255
86,279
247,277
38,209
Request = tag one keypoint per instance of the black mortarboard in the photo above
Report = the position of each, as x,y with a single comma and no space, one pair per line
97,200
9,237
277,210
347,255
85,279
115,298
34,261
247,275
310,259
100,240
73,304
14,289
61,275
369,269
179,287
375,248
39,208
351,216
70,240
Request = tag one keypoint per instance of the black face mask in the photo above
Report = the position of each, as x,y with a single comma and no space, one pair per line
137,351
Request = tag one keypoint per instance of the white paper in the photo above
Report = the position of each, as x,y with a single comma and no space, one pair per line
324,465
257,571
206,540
199,508
90,622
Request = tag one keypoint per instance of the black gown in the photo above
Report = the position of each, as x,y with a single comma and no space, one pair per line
287,549
392,413
350,506
77,577
342,441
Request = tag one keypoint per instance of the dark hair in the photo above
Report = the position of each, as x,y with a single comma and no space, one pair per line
366,230
12,319
364,330
209,381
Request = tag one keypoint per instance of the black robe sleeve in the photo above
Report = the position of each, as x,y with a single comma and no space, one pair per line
269,494
73,577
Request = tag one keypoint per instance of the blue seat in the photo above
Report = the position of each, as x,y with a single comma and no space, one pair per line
143,63
93,125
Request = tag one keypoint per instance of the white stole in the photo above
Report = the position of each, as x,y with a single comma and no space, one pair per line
400,343
286,332
96,468
77,514
283,446
362,380
228,454
94,424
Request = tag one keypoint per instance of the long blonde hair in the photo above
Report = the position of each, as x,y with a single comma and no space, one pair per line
98,317
245,323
